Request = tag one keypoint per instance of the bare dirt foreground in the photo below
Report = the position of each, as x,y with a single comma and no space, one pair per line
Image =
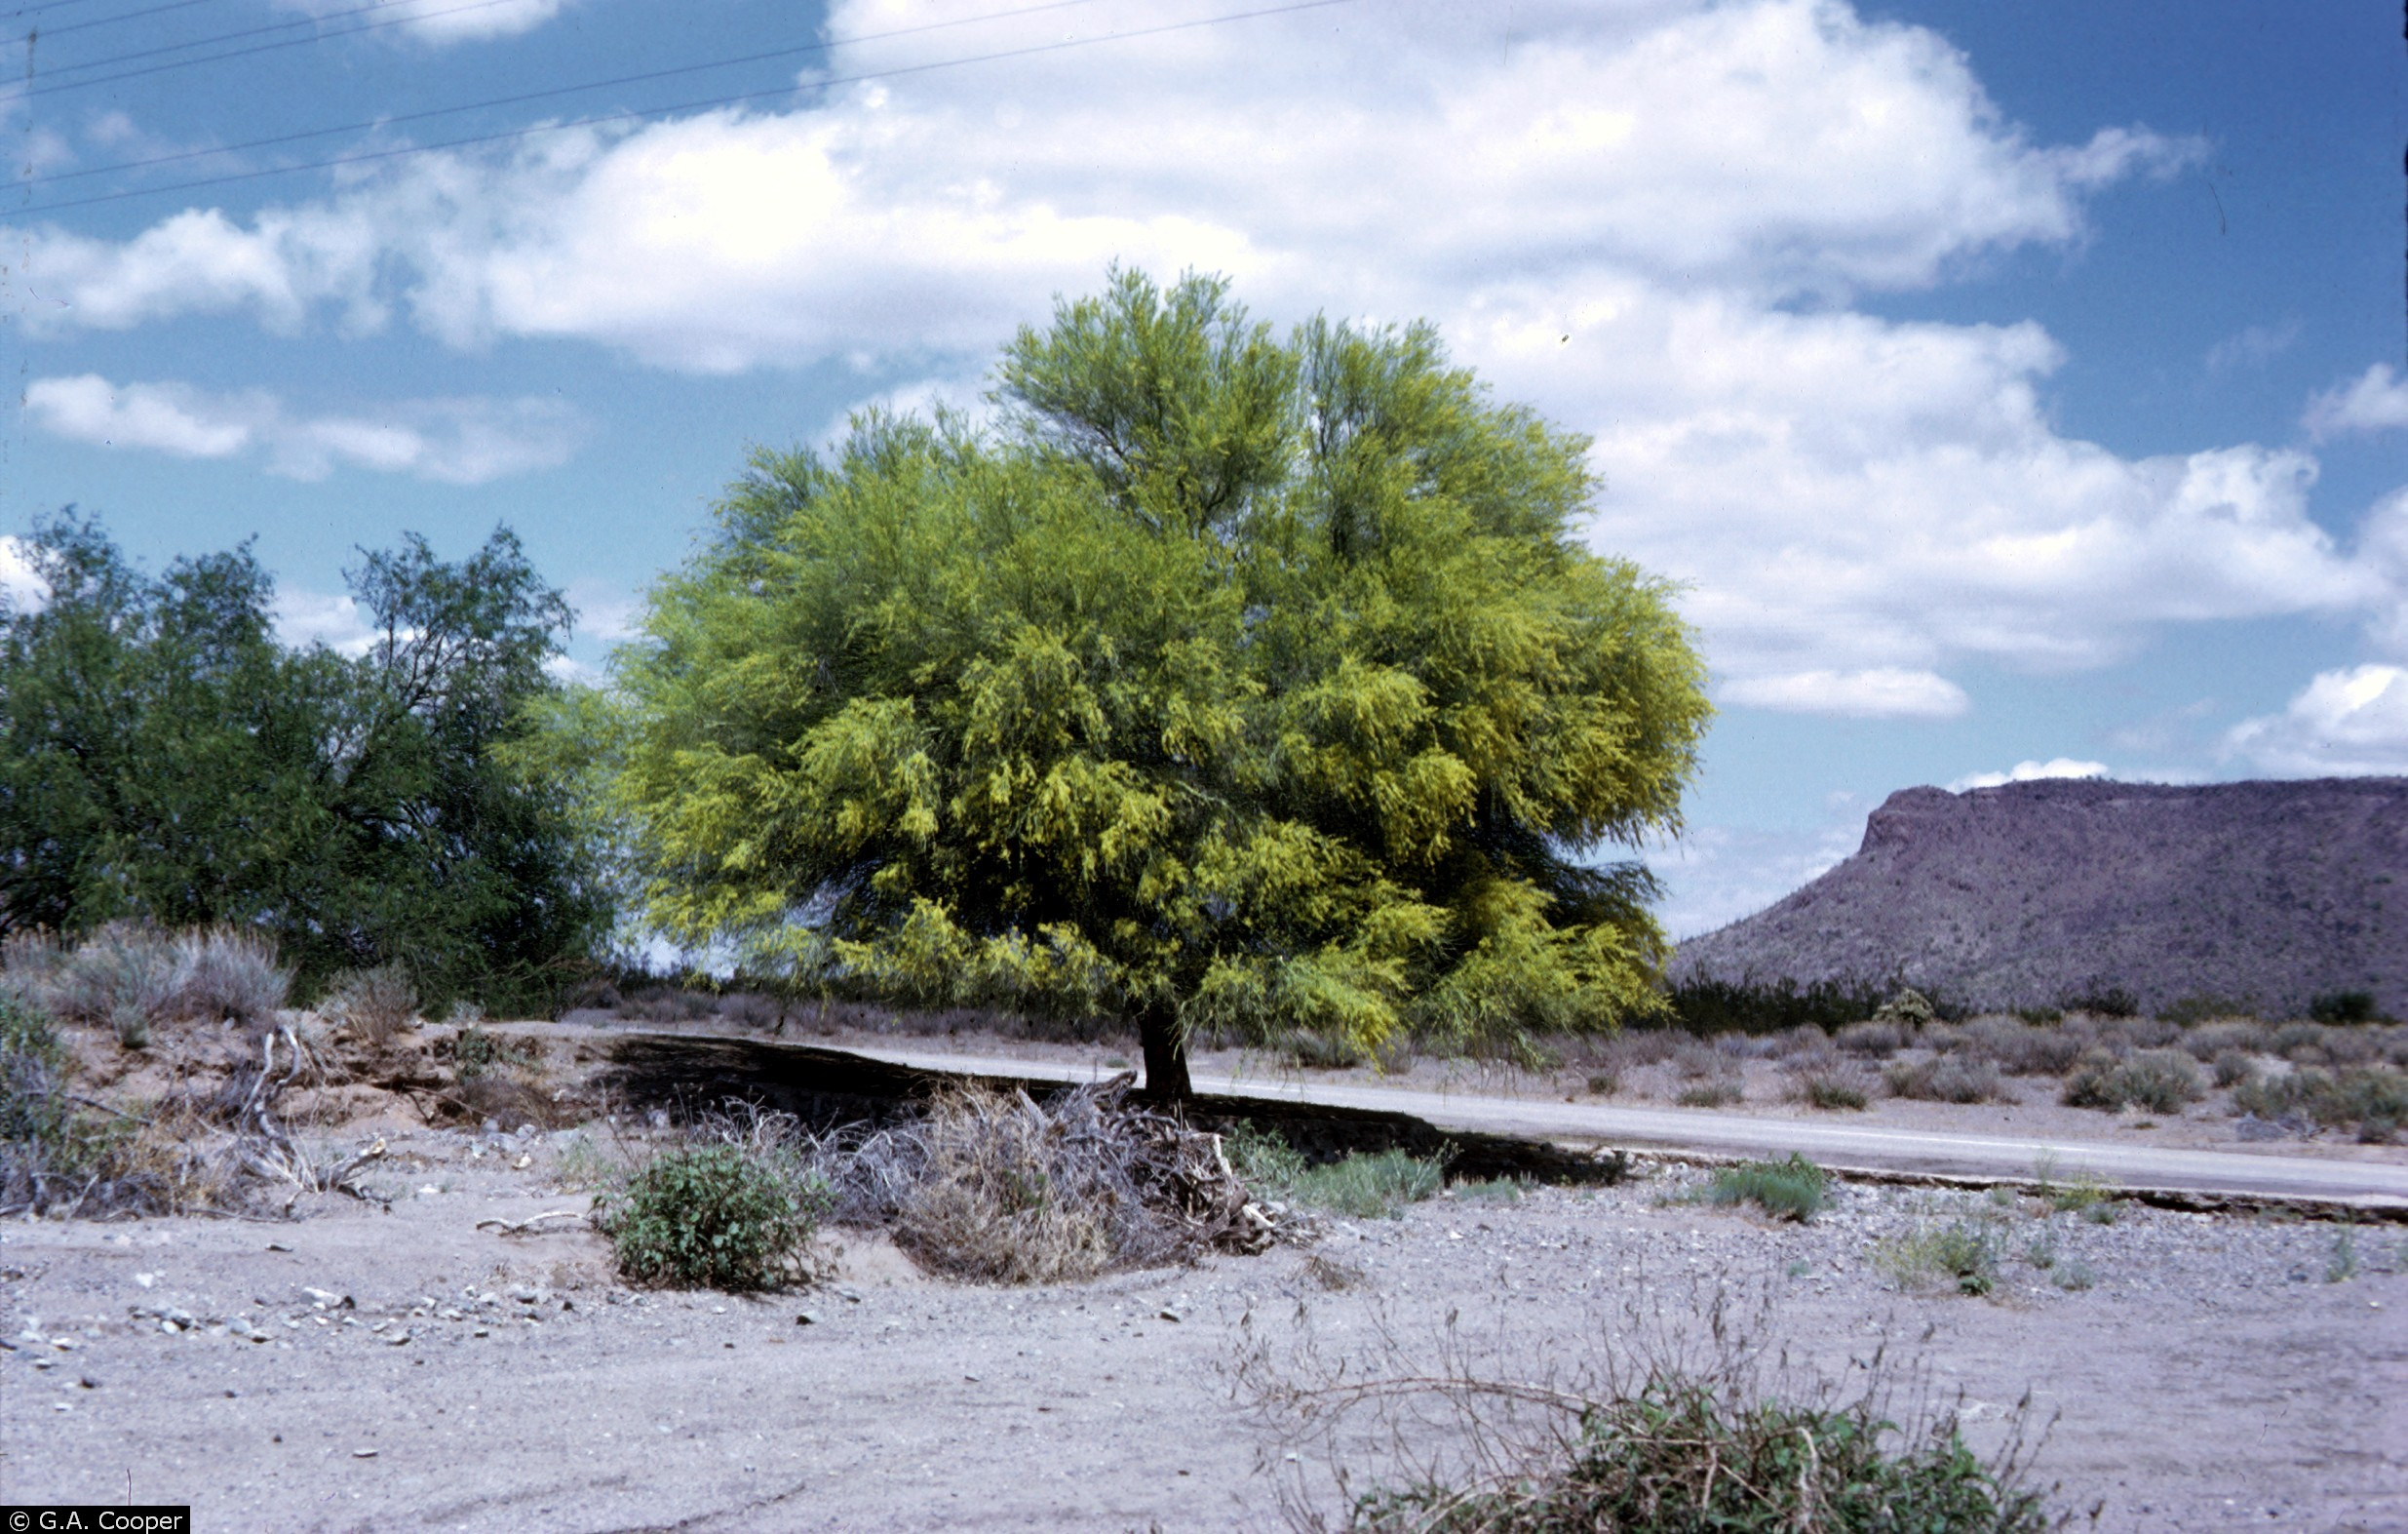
354,1368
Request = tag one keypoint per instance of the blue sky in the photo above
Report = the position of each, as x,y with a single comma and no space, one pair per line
2010,386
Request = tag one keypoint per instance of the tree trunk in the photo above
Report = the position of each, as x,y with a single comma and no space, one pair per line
1166,1055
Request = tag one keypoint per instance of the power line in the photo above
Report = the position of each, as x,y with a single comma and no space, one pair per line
297,22
245,53
525,97
508,135
112,21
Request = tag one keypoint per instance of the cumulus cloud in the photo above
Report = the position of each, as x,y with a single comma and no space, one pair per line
1715,875
20,585
454,441
305,617
1644,219
1881,692
2376,401
2342,724
447,21
2030,772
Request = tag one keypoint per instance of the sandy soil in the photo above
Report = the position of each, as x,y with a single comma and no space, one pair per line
354,1368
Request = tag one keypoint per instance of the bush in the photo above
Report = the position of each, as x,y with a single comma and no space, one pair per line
2371,1099
1719,1092
1684,1457
1369,1187
1828,1087
2232,1068
2208,1040
1908,1008
2161,1080
1963,1255
54,1158
1793,1190
1878,1041
2020,1048
373,1004
2344,1007
1750,1006
2105,1002
710,1217
1948,1078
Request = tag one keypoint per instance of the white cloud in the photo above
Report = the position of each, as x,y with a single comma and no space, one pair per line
457,441
2030,772
1614,212
316,617
1883,692
20,585
2342,724
447,21
2377,401
1716,875
2252,346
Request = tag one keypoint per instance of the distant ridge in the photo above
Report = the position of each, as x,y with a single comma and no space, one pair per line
2030,895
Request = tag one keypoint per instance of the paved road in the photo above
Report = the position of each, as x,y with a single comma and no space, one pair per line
2374,1184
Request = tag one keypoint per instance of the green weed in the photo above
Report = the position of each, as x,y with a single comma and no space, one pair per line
1793,1190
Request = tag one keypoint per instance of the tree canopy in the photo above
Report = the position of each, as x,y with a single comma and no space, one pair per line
1224,679
163,758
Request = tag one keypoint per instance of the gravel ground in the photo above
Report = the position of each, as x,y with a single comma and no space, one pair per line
358,1369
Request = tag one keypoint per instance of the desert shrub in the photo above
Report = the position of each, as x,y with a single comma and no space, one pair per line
2192,1011
1948,1078
122,977
2021,1049
1714,1007
710,1217
1745,1046
1961,1254
1878,1040
374,1003
2041,1016
2161,1080
2232,1068
231,973
2344,1007
2208,1040
2352,1046
1605,1084
1720,1091
1812,1039
2371,1099
57,1157
1793,1190
1825,1083
1686,1457
1262,1159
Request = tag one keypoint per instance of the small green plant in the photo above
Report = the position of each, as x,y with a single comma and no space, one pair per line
2343,1265
1370,1187
710,1217
1793,1190
1363,1186
2074,1274
1605,1084
1961,1254
476,1051
2041,1251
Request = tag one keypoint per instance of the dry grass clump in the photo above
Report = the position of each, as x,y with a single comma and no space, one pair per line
130,978
1823,1081
1878,1039
1003,1189
2020,1048
374,1004
1946,1079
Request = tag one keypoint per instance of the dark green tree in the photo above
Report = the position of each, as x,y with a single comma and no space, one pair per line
163,758
1228,680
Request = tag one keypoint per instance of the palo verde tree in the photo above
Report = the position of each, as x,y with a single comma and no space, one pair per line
1225,681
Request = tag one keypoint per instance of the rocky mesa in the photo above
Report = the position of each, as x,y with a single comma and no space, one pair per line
2261,894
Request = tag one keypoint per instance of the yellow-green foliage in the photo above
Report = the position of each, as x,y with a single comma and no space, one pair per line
1225,677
